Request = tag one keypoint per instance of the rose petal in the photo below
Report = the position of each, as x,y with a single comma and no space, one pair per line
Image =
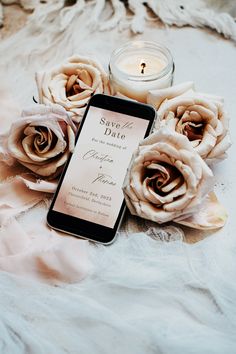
156,97
195,143
171,185
50,169
207,115
40,110
208,142
39,185
80,99
70,82
218,152
83,85
212,215
86,78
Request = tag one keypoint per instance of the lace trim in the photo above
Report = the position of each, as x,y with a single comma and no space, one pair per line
166,233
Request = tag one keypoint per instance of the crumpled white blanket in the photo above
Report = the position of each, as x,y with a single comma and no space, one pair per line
133,302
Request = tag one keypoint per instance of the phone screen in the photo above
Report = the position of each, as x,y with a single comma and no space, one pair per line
92,186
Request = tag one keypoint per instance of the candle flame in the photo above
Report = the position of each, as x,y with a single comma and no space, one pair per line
143,66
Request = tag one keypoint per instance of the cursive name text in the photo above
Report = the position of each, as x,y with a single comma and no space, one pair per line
93,154
104,179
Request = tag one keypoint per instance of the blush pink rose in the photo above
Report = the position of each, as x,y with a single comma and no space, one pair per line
200,117
167,179
72,84
42,139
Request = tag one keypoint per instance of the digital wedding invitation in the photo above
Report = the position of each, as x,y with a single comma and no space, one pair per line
92,187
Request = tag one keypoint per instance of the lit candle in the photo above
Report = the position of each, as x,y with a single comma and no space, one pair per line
138,67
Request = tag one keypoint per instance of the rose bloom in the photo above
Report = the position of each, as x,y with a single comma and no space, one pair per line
167,179
42,139
198,116
72,84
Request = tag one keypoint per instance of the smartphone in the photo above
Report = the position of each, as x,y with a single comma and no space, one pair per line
89,200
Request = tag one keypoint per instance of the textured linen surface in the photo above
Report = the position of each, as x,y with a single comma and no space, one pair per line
142,295
216,14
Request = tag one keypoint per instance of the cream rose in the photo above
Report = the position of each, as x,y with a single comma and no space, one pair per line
42,139
166,180
72,84
200,117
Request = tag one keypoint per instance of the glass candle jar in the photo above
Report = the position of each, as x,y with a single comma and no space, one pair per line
138,67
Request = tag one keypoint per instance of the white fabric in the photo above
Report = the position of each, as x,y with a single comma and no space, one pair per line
198,13
143,296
